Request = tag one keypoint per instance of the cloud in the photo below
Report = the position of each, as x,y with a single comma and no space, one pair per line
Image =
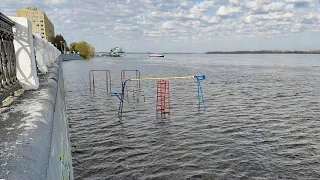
227,11
234,2
289,7
112,22
55,1
312,15
274,6
203,6
301,3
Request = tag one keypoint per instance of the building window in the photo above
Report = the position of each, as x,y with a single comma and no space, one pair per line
41,25
41,21
37,24
42,29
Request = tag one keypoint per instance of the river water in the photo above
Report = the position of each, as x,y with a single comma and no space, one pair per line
262,119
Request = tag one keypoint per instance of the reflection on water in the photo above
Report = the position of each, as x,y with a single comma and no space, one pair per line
262,119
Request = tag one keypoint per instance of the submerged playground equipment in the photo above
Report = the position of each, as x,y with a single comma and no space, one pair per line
162,94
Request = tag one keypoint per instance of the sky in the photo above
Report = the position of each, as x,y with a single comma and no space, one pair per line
182,25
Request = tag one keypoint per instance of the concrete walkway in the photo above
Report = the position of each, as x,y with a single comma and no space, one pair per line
27,131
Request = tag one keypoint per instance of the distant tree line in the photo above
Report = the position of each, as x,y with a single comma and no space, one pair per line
264,52
83,48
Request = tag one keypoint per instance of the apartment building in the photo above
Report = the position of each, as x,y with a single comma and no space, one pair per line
40,22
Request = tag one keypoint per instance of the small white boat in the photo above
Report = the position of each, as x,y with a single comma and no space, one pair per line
156,55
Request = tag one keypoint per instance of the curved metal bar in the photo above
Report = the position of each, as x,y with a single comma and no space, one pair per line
200,93
129,70
120,110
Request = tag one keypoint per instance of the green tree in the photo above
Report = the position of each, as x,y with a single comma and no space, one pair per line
72,46
85,49
57,40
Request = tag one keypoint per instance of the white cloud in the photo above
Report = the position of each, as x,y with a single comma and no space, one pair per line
274,6
296,27
55,1
203,6
234,2
289,7
227,11
312,15
214,19
112,22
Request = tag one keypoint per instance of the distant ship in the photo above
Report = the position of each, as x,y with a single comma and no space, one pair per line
117,52
156,55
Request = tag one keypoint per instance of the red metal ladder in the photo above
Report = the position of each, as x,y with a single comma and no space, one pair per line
163,97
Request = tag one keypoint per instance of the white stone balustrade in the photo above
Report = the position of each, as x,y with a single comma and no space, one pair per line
32,52
51,53
46,48
40,56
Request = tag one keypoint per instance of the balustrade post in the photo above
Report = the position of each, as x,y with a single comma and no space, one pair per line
40,56
52,57
24,53
47,52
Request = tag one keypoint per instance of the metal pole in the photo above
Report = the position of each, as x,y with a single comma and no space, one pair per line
107,81
61,46
90,79
110,82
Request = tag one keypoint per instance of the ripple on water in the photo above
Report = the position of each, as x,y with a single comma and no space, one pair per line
261,123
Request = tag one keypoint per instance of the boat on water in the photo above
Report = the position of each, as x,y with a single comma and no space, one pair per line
117,52
156,55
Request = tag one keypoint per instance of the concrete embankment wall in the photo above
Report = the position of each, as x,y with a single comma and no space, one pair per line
71,57
34,141
60,161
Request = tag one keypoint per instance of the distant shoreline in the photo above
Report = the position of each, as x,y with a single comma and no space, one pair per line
163,53
263,52
232,52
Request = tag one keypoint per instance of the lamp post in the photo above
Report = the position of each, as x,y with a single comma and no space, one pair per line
61,46
64,49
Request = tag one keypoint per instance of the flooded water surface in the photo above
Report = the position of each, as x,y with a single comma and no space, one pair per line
262,119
